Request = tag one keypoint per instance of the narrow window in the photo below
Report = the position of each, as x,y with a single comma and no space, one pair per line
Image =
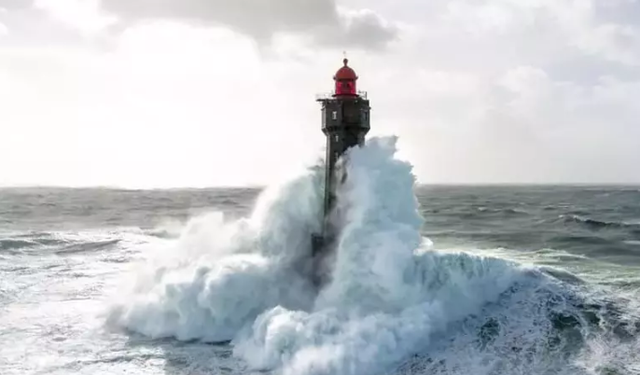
334,115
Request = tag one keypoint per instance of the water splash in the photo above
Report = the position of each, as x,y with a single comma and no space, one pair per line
390,296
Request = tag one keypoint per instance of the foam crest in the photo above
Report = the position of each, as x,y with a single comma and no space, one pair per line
380,234
218,276
387,297
248,280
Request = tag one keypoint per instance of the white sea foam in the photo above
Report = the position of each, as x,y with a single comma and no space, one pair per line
390,296
387,296
219,276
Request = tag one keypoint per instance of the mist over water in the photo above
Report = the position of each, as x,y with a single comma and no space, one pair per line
394,303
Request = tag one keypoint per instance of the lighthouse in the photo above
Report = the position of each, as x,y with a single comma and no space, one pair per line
345,123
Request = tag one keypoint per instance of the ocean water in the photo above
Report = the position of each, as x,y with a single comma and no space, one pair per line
424,280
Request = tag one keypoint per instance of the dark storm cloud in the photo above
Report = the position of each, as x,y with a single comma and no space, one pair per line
261,19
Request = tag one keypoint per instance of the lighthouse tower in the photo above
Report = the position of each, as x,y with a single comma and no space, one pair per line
345,122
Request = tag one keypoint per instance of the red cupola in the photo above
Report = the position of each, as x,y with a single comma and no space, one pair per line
345,81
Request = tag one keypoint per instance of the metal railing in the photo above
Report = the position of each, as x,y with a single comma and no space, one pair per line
329,95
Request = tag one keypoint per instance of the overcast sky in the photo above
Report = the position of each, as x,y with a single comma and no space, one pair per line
168,93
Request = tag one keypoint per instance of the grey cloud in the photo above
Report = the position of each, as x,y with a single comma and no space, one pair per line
261,19
620,12
364,28
15,4
522,126
508,33
29,27
615,43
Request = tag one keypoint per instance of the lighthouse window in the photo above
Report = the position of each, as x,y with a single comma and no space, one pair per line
334,115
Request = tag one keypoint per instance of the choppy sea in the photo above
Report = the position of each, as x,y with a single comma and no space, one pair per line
425,279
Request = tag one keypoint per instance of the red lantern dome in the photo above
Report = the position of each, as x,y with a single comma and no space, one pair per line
345,79
345,72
